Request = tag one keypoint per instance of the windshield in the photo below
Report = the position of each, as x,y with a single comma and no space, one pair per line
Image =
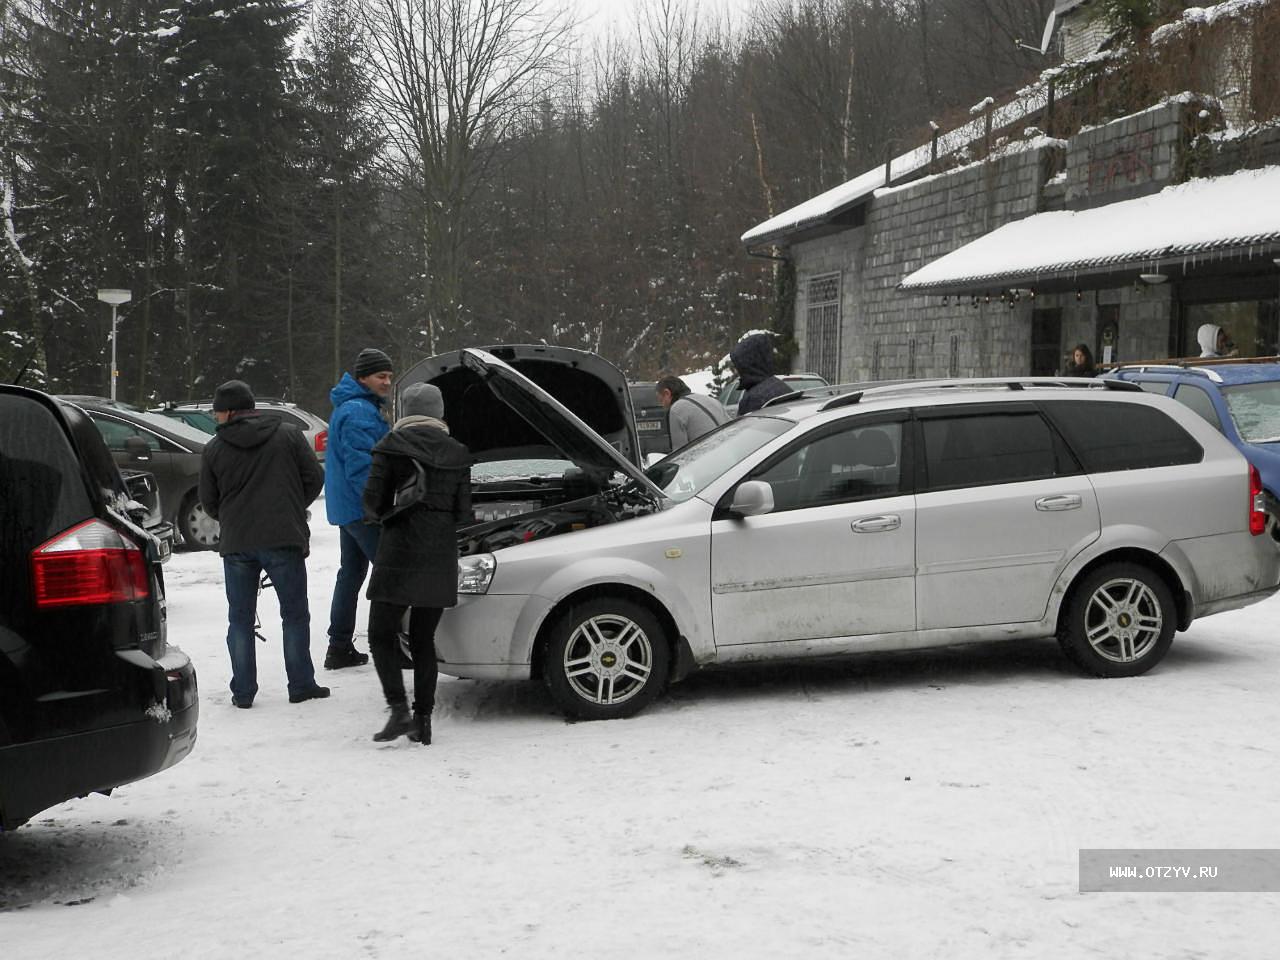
685,474
1255,409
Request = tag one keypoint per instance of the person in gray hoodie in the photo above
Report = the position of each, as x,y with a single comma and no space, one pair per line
419,492
689,415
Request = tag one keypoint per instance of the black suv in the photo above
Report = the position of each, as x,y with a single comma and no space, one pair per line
91,696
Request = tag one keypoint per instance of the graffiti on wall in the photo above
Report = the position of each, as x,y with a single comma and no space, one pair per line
1130,161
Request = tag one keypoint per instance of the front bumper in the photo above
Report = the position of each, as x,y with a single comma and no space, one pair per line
489,636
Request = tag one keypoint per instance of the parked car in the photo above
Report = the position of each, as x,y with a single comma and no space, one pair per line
91,694
652,425
1239,399
165,447
520,467
895,517
731,393
315,428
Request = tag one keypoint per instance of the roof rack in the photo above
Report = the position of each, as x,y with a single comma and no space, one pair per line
979,383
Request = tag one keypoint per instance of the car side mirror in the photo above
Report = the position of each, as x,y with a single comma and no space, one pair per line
137,448
751,499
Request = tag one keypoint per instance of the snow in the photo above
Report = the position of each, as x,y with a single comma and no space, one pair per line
1238,209
919,805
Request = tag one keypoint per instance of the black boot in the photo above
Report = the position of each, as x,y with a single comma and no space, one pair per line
421,733
398,724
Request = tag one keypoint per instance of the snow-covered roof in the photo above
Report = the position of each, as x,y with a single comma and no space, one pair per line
1232,214
838,199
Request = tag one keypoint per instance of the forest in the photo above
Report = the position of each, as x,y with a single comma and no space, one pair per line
279,184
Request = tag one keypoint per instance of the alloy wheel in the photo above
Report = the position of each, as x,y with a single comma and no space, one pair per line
608,659
1123,620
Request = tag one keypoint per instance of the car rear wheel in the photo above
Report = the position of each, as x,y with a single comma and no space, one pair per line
199,530
1119,621
605,659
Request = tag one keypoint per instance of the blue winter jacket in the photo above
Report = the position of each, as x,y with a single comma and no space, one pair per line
355,426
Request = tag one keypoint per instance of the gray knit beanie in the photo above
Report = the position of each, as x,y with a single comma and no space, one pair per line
370,361
422,400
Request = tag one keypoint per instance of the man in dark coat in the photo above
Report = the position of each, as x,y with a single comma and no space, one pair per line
753,359
416,567
257,477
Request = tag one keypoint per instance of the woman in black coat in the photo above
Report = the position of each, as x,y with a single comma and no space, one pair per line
416,566
1081,363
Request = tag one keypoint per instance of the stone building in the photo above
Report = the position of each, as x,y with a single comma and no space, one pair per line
1126,235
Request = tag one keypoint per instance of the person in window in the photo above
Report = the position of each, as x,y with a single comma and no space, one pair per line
1081,364
416,565
1214,342
753,359
689,414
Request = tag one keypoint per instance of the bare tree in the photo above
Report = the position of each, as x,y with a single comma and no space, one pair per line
453,78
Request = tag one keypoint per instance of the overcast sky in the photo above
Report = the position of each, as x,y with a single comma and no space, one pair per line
599,17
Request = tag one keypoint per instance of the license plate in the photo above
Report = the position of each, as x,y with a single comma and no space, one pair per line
649,426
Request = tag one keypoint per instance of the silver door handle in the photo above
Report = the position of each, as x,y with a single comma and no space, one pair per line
876,524
1066,501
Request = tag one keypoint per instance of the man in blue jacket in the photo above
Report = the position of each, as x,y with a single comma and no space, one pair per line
356,425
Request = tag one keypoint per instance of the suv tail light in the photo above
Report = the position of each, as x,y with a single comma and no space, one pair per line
322,441
1257,503
90,563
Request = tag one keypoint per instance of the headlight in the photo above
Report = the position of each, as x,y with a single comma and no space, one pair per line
476,572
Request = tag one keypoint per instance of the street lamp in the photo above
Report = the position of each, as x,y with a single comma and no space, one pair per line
115,298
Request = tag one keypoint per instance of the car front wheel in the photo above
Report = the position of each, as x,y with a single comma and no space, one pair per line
199,530
605,659
1119,621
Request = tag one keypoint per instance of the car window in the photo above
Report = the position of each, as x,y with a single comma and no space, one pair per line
1108,435
1153,386
977,450
732,394
1255,410
41,488
704,461
840,466
116,432
1199,401
183,431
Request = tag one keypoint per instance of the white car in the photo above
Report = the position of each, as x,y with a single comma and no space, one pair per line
315,428
902,516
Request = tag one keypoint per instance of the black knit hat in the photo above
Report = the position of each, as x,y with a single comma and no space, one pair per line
232,395
371,361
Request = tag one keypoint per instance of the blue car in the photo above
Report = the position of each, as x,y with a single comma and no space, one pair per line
1240,399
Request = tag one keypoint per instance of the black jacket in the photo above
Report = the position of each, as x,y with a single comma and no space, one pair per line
257,477
417,559
753,359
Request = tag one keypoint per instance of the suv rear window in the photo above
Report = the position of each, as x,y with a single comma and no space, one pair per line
42,492
1108,436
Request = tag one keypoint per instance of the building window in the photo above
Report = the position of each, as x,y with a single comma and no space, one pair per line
822,326
1046,342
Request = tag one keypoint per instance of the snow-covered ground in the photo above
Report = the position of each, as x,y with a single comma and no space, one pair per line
923,805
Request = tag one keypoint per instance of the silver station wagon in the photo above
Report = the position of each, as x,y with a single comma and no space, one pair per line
890,517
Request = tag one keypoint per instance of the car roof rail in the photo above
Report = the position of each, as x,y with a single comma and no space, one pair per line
1171,368
979,383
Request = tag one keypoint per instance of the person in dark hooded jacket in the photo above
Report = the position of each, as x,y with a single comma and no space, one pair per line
416,566
753,359
257,477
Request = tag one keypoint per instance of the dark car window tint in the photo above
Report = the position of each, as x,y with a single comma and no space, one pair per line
42,492
1154,386
1122,436
839,467
116,432
1200,402
989,448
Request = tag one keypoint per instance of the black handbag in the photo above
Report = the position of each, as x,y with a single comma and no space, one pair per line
410,492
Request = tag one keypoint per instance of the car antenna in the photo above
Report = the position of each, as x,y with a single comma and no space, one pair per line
26,365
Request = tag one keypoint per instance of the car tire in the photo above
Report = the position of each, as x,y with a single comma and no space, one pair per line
605,659
1119,621
199,530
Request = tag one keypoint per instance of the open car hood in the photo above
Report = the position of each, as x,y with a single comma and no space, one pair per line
560,402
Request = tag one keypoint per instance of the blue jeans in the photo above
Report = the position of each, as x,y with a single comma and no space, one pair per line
288,572
358,543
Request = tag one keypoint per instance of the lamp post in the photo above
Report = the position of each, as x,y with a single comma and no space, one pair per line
115,298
